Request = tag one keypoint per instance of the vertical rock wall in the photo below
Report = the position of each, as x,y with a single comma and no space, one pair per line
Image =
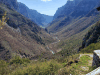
96,62
96,58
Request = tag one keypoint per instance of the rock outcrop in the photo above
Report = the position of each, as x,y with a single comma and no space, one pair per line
92,36
96,58
66,9
96,62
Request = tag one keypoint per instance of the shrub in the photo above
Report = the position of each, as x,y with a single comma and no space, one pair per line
18,60
39,68
3,67
3,21
91,48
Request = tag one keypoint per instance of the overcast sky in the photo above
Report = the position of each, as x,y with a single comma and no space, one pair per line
47,7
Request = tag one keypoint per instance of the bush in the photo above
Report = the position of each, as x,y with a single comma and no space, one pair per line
3,67
91,48
39,68
18,60
3,21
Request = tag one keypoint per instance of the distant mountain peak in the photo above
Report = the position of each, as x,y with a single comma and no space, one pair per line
29,13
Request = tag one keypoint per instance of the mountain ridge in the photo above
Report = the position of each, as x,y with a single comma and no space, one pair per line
63,22
29,13
34,15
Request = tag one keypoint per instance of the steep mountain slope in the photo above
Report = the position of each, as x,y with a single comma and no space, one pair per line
71,29
75,21
93,36
34,15
66,9
23,9
12,3
29,13
21,36
58,12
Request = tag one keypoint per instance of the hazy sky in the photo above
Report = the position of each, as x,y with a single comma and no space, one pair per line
47,7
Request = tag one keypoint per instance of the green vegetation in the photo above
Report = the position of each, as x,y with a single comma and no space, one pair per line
4,70
23,66
18,60
3,21
8,67
71,45
81,67
91,48
63,63
92,39
39,68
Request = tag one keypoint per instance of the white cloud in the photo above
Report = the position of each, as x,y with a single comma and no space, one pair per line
46,0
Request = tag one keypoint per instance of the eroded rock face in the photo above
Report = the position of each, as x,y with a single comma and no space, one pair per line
23,9
66,9
92,36
71,12
96,58
96,62
84,7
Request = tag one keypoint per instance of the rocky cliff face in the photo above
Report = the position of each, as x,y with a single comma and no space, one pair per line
66,9
23,9
58,12
76,8
84,7
72,15
33,15
93,35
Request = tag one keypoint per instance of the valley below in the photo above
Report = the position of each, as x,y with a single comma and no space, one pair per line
32,43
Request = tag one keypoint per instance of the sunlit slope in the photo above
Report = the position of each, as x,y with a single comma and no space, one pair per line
21,36
83,15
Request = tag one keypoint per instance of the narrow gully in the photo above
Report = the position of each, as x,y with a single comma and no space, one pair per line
53,43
